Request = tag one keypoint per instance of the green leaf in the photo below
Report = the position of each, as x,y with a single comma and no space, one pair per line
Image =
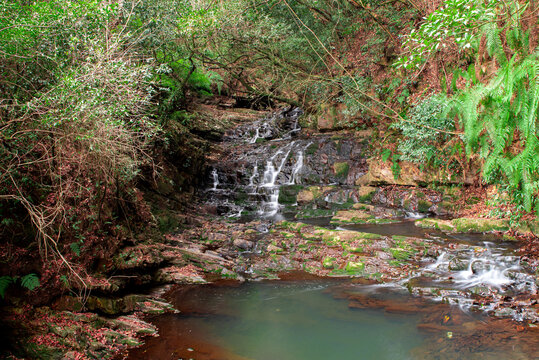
30,281
5,281
386,154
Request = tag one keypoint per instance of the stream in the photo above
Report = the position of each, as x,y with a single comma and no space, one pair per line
436,311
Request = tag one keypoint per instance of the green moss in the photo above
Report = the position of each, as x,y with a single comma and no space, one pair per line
289,193
287,235
362,235
341,169
311,149
294,226
479,225
354,268
400,254
328,262
443,225
423,206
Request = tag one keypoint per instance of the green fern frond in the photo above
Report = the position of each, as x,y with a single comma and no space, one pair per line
5,281
30,281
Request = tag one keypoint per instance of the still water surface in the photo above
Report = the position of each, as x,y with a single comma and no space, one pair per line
326,319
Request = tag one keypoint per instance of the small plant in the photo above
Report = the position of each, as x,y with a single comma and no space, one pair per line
424,140
29,281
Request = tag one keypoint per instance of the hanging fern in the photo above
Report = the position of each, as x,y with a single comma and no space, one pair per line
500,119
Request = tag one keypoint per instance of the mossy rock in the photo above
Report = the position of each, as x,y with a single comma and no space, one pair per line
350,217
114,306
361,206
354,268
293,226
287,235
366,193
444,225
288,194
368,236
423,206
329,262
400,254
464,225
309,195
479,225
311,149
341,169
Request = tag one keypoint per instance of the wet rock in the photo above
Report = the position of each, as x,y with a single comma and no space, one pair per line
134,324
243,244
505,312
457,264
351,216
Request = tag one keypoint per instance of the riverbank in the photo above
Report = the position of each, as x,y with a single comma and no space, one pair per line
292,201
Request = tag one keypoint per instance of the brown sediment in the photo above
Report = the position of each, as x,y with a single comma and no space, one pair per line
181,340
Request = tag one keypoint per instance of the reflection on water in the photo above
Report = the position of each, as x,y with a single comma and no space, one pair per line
326,319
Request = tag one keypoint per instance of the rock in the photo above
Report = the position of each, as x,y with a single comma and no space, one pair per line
366,193
429,223
382,255
273,248
328,263
457,264
305,196
116,306
479,225
351,216
243,244
505,312
380,173
354,267
133,323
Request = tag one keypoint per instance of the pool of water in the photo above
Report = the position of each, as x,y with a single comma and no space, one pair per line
326,319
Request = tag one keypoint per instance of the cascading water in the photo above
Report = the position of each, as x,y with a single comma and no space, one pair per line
267,141
467,270
215,177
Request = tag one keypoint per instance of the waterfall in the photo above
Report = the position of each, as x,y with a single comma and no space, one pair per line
297,168
215,179
257,165
255,174
270,207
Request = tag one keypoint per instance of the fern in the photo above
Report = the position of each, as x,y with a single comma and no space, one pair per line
496,114
5,281
30,281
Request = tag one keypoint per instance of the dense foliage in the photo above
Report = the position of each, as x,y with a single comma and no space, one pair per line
88,87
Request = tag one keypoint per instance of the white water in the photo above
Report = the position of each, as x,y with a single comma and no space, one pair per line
484,266
215,179
297,168
255,175
271,172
